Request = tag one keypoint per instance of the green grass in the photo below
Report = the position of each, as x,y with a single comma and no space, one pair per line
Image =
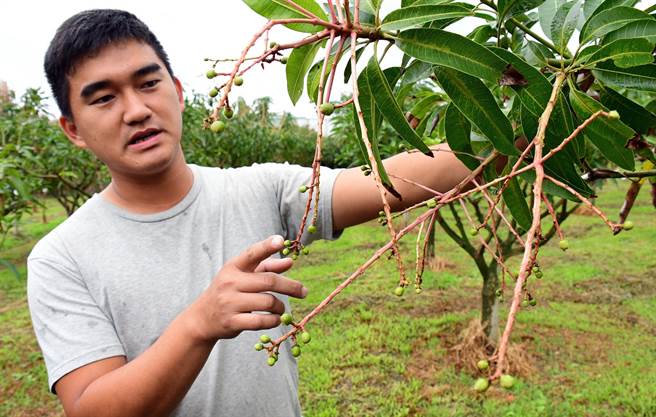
591,338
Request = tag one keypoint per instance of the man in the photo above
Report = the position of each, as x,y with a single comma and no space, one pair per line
148,300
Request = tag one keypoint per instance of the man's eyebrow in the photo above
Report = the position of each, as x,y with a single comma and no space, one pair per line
90,89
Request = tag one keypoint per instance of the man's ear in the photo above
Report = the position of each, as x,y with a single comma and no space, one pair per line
70,129
178,89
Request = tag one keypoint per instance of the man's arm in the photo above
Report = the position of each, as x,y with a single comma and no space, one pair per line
154,383
356,198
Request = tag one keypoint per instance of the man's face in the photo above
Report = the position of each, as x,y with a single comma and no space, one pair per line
126,109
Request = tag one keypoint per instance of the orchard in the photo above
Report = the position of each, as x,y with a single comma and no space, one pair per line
541,100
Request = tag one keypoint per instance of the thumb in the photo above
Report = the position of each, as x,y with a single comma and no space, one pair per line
250,258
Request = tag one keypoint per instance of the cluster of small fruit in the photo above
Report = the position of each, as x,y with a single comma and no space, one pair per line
265,342
294,248
219,126
482,384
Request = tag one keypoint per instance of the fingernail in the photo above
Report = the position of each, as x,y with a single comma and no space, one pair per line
304,292
277,241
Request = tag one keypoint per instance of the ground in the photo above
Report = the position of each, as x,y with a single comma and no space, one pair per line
591,339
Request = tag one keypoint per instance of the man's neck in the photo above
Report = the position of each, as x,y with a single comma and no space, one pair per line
150,194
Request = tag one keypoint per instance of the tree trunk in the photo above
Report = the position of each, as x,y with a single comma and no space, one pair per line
489,301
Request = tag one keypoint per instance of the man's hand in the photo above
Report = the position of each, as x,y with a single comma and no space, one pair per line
227,307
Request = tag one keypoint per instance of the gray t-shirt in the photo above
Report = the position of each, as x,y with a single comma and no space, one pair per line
107,282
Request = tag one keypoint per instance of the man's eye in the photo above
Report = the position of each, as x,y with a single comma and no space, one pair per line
151,83
103,99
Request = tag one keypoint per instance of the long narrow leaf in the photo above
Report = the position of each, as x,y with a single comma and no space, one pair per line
300,61
458,131
280,9
417,15
640,78
610,20
624,53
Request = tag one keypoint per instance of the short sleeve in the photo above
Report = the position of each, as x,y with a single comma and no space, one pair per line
72,331
288,178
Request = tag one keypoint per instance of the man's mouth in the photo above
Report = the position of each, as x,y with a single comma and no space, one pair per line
143,136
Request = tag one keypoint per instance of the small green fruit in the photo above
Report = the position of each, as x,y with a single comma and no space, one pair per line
327,109
286,251
265,338
294,256
296,351
524,303
271,360
214,92
482,364
613,115
287,243
302,188
259,346
481,384
228,113
431,203
532,302
536,269
286,319
628,225
273,44
539,275
564,244
417,290
398,291
283,60
312,229
217,126
306,251
507,381
305,338
498,292
238,81
211,73
473,232
381,213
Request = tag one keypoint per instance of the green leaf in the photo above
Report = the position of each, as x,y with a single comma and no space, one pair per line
417,70
516,202
387,105
477,103
440,47
280,9
537,54
638,29
550,188
372,120
563,24
591,8
509,8
534,96
347,68
425,105
640,78
637,117
457,131
609,136
625,53
609,20
298,64
482,34
546,13
417,15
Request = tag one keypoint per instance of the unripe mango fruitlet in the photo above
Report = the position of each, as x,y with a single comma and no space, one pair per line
302,188
228,113
211,73
238,81
498,292
271,360
273,44
286,319
217,126
305,337
296,351
294,256
538,275
259,346
628,225
507,381
613,115
214,92
283,60
564,244
431,203
483,364
306,251
524,303
481,384
417,290
286,251
287,243
398,291
327,108
473,232
532,302
265,338
312,229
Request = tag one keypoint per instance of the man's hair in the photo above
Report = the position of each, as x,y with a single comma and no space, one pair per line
83,36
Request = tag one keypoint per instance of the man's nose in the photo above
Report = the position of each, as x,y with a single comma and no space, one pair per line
136,109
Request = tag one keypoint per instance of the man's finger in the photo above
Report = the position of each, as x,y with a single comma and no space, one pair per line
264,302
249,259
275,265
268,281
255,321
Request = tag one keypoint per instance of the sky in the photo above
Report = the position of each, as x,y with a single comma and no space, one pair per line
200,29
